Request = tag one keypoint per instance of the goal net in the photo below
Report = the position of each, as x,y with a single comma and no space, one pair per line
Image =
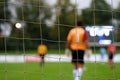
26,24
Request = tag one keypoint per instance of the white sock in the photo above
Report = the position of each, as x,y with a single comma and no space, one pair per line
74,72
77,78
80,70
78,73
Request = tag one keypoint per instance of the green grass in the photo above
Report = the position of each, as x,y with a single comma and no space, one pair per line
56,71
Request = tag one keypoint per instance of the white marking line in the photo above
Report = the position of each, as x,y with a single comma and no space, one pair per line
53,58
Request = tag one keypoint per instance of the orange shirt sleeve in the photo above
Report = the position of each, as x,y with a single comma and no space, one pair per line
85,37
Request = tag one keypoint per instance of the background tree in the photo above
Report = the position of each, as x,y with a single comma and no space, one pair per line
99,13
35,14
4,13
116,16
65,19
4,19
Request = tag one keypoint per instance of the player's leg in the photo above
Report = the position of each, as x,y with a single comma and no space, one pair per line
42,63
111,61
74,62
78,64
42,60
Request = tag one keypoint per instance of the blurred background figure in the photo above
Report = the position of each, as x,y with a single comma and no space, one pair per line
102,54
88,53
111,52
42,50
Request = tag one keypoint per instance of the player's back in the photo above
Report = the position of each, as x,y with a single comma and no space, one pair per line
76,36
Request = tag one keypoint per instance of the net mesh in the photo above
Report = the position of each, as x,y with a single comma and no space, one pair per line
24,24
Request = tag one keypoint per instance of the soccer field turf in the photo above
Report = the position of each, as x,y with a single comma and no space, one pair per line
57,71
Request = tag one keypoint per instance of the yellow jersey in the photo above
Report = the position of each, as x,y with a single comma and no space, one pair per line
42,49
77,38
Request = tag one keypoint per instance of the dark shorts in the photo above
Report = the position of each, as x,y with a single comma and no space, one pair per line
42,55
110,56
78,56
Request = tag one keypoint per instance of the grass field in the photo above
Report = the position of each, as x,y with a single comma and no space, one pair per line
57,71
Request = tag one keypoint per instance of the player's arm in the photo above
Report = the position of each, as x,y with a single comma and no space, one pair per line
68,43
115,49
86,39
108,49
67,50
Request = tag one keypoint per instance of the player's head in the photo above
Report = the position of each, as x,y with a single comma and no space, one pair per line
79,23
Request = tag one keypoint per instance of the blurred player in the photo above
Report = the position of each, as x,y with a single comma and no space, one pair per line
102,53
111,52
42,50
77,41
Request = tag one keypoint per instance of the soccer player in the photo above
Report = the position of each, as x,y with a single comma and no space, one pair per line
77,41
42,50
102,53
111,52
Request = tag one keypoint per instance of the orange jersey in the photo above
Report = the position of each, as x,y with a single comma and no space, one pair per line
111,49
77,37
42,49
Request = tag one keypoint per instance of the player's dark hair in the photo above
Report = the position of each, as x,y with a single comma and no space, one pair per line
79,23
